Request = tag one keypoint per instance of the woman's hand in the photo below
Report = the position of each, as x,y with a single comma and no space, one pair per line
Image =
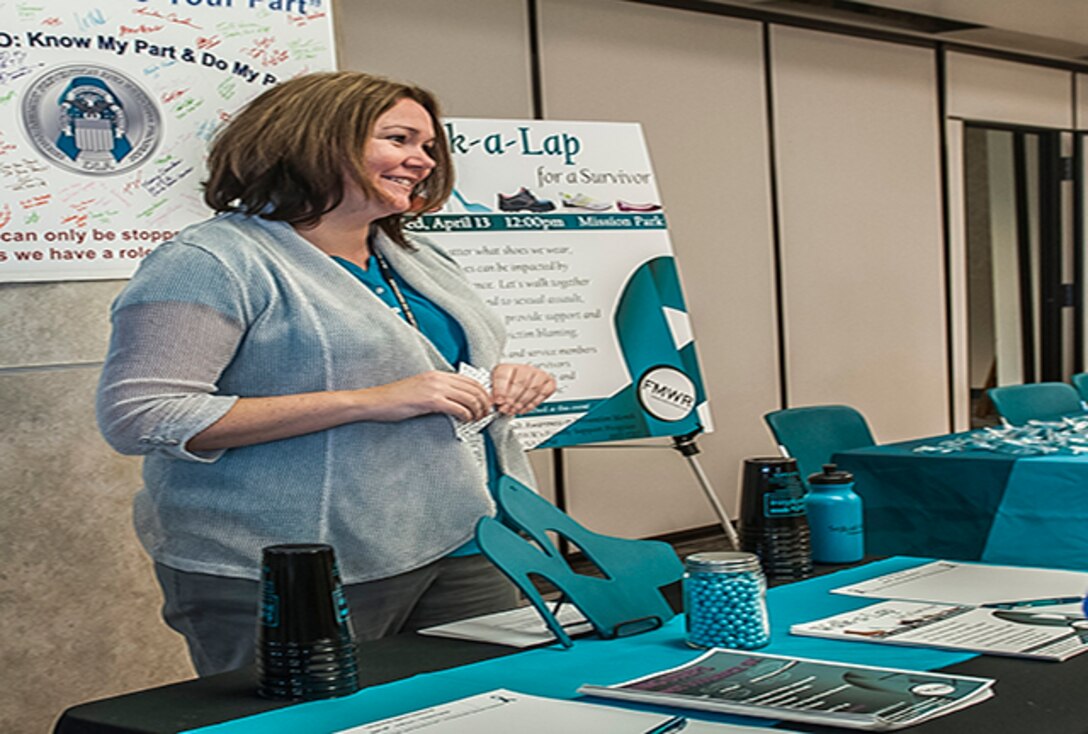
518,388
429,392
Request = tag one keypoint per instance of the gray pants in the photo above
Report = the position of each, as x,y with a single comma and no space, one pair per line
217,615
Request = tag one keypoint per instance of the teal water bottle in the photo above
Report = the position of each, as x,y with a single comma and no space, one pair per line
835,517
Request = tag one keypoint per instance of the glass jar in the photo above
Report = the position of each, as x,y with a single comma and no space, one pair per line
725,601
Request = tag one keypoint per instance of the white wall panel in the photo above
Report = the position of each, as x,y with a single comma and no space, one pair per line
981,88
957,265
859,181
695,83
474,54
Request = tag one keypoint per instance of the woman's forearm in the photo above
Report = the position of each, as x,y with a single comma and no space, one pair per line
259,420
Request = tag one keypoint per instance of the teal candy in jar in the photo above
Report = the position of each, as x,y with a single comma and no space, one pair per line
725,601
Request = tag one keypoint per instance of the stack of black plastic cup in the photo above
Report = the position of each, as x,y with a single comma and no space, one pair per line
305,642
773,523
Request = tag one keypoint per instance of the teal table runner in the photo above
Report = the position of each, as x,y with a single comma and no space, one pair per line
557,672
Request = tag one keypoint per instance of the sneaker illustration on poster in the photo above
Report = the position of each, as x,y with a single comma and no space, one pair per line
627,206
524,200
581,201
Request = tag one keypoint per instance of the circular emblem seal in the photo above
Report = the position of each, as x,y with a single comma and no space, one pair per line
935,688
666,393
90,119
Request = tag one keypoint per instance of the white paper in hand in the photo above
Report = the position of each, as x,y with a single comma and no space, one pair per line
471,432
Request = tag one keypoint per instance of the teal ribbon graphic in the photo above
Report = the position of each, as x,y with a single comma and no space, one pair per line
645,342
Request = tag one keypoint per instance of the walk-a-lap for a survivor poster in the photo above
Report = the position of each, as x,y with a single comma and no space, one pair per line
561,226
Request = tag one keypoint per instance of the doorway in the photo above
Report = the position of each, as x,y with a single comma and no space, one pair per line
1024,269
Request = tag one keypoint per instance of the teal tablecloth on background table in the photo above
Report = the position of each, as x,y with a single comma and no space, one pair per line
976,505
556,672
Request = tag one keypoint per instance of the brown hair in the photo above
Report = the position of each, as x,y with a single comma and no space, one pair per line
285,155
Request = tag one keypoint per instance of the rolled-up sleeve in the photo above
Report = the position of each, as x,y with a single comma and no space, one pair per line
175,329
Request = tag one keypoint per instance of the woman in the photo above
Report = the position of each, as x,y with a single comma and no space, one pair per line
290,370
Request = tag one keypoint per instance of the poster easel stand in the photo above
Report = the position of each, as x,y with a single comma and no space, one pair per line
685,444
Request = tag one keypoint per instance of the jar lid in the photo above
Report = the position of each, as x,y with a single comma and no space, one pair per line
831,474
722,561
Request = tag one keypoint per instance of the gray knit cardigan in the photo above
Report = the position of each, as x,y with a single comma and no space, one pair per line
241,306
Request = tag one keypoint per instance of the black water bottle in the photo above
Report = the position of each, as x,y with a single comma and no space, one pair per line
773,523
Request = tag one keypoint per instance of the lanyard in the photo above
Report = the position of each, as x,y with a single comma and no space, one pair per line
387,274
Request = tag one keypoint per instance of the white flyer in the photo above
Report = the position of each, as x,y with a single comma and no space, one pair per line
501,712
979,584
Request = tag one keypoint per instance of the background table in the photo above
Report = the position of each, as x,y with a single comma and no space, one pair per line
999,508
1031,696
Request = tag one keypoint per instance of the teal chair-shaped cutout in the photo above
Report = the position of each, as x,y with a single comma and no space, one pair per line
626,601
1041,401
1080,382
812,434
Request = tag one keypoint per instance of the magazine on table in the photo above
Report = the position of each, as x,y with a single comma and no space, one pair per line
803,690
1030,632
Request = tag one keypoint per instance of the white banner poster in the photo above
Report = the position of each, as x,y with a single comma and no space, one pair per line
561,227
106,111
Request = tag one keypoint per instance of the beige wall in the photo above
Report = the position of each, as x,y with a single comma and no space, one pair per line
1003,91
859,178
855,131
474,55
78,606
